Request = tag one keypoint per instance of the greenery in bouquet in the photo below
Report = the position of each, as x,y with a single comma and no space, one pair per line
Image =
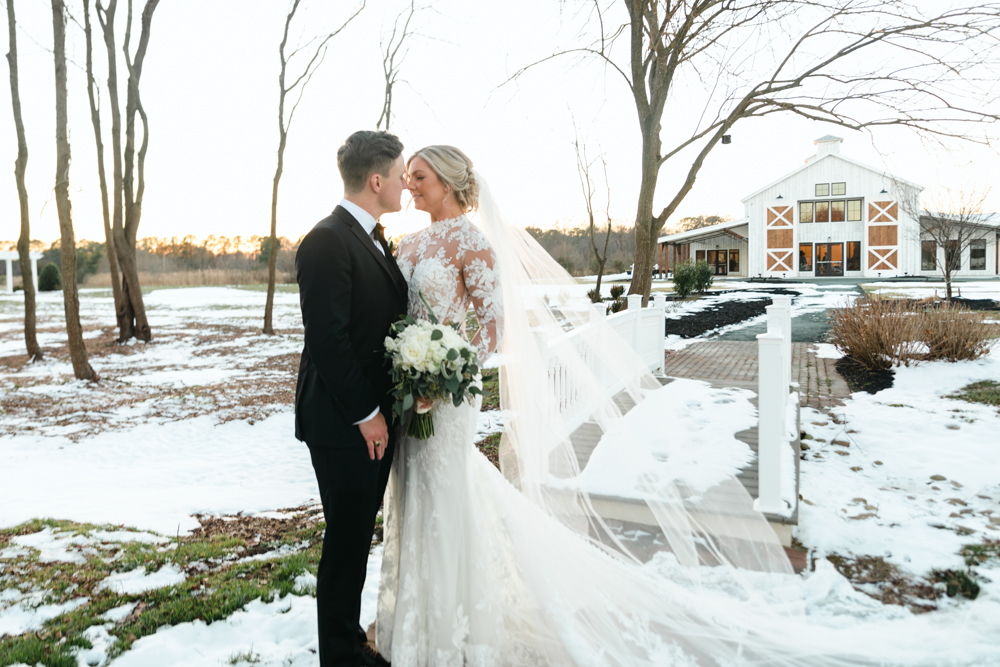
431,361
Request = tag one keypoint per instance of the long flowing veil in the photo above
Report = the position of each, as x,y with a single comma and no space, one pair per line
709,583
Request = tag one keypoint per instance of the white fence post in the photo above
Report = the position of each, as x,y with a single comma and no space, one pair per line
635,308
785,304
660,304
34,271
772,397
10,276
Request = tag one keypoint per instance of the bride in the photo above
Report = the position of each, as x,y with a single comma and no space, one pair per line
528,567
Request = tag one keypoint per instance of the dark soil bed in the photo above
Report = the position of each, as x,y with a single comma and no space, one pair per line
722,314
860,378
977,304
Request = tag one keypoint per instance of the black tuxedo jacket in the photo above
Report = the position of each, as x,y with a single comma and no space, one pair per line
350,295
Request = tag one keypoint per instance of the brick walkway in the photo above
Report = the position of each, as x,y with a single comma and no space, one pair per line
735,362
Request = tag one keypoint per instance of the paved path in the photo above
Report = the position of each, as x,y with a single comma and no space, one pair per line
735,363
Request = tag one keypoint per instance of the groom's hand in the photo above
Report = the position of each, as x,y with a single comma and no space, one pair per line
376,436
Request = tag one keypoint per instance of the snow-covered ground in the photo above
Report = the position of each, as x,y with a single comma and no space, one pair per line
200,421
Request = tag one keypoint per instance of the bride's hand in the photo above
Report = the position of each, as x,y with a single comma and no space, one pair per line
424,405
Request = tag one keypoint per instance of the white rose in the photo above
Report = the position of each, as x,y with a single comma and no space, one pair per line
411,353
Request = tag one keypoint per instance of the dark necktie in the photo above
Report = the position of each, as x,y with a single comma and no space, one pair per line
379,234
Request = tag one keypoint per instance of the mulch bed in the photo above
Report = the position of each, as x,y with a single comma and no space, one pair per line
977,304
860,378
723,314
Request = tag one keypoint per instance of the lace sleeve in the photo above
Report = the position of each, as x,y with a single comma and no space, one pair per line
482,282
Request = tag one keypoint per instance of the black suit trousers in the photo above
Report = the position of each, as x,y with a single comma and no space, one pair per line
351,487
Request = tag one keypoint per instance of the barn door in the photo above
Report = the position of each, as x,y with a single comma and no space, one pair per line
780,239
883,236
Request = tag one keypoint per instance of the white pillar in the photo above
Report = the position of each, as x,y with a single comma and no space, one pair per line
785,303
600,312
772,396
10,276
635,307
34,272
660,304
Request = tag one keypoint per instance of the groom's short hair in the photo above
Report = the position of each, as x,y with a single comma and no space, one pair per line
367,152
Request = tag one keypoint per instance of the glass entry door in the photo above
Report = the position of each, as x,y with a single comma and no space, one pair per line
829,259
717,260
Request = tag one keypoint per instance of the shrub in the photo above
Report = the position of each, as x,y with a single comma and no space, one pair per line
595,295
615,306
954,333
879,333
49,279
617,291
684,278
703,277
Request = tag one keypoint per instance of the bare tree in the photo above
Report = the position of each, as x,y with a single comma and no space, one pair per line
392,59
958,225
67,245
20,165
854,63
318,47
583,167
93,93
127,202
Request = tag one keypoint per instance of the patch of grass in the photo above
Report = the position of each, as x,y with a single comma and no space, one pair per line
977,554
218,583
491,389
245,657
877,578
490,447
957,582
986,392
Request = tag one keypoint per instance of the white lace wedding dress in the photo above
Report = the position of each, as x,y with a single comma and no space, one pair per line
477,572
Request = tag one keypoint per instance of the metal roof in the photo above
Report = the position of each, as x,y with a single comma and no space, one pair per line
712,230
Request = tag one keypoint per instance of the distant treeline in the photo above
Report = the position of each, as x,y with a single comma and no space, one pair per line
570,246
175,255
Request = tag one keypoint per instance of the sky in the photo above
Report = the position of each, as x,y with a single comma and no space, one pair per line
210,90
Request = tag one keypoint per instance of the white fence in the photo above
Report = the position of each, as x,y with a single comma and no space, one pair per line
778,413
642,328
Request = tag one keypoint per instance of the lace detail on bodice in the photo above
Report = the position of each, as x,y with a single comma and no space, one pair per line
452,264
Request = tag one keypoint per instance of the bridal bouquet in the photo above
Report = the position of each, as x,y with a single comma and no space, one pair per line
432,361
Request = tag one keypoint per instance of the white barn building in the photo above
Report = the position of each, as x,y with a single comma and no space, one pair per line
831,217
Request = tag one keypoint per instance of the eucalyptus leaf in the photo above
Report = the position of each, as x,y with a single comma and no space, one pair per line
407,402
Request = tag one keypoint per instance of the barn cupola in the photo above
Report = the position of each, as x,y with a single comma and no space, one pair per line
828,145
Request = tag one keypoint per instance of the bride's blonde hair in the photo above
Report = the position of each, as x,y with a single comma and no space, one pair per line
454,169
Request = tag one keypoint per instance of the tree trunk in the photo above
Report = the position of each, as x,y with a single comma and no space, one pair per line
642,272
95,118
272,258
71,298
600,273
20,165
135,309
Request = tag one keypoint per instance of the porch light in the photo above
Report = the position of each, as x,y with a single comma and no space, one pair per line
780,197
884,192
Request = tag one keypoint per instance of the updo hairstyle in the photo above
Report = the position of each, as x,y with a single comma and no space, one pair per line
454,169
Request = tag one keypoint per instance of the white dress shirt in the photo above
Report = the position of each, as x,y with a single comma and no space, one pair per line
367,223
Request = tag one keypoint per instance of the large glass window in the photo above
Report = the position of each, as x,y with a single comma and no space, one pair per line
854,210
928,255
822,211
699,255
854,255
806,211
953,255
734,261
977,255
822,189
805,257
839,189
837,211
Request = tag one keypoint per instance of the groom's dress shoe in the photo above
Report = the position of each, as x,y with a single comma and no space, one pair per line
372,658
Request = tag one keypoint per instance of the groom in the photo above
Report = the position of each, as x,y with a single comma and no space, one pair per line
350,291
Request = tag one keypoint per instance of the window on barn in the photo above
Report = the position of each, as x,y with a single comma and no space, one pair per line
854,210
699,256
854,255
805,257
734,261
837,210
839,189
822,189
953,255
928,255
977,255
806,211
822,211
